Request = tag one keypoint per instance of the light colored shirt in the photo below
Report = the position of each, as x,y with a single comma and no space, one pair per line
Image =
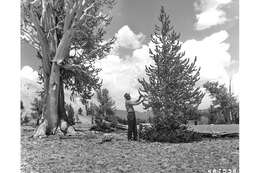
129,105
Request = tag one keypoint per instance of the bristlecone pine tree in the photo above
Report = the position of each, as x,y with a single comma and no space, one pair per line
170,89
68,37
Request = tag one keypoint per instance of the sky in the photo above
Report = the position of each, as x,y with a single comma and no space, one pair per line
209,30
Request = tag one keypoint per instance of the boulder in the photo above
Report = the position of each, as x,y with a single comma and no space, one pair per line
71,131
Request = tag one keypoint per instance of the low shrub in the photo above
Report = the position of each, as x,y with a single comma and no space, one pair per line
172,136
168,129
102,128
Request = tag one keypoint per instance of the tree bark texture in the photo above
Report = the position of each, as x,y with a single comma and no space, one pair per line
52,116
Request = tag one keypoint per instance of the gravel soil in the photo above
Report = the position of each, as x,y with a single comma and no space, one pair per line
90,152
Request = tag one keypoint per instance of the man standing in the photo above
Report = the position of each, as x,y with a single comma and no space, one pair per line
131,119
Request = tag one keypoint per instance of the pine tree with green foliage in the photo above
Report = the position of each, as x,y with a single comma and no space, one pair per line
105,111
224,102
106,104
170,89
37,107
70,110
80,111
92,111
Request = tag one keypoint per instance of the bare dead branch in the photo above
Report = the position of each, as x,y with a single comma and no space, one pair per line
82,14
37,25
29,35
70,13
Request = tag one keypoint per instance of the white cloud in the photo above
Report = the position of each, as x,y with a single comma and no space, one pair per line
212,56
126,38
120,74
28,73
210,13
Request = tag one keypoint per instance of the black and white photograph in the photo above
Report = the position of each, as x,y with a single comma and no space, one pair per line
129,86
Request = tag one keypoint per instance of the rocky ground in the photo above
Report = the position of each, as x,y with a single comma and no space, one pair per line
98,152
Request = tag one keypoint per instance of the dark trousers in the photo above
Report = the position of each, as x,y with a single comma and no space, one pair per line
132,129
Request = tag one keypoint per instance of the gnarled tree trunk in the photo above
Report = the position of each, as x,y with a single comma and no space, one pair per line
53,100
55,115
63,119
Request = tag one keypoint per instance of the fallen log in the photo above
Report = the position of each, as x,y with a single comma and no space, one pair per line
219,135
107,126
121,126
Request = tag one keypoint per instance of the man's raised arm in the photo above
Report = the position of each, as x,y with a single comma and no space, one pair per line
137,102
